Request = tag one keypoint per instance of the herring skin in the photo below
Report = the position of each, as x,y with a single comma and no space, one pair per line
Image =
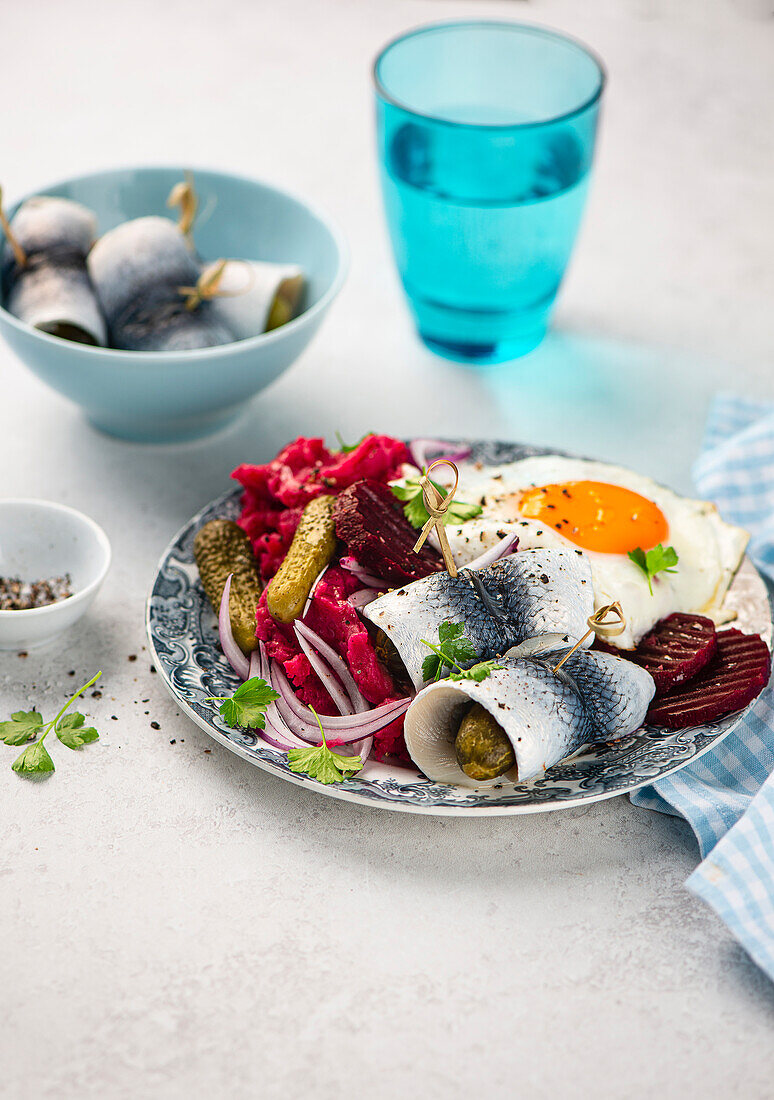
256,296
527,593
541,714
616,692
137,270
52,291
546,715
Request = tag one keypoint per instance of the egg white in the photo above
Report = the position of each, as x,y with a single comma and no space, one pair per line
709,550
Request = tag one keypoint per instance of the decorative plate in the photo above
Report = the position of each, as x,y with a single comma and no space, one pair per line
184,645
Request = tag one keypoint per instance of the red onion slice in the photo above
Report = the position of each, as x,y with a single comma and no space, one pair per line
421,449
294,714
364,750
293,731
359,748
278,740
276,732
234,654
289,724
494,553
264,666
281,684
367,726
332,724
310,597
362,597
363,575
323,670
338,666
347,730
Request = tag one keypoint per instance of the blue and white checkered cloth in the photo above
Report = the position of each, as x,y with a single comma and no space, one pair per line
727,796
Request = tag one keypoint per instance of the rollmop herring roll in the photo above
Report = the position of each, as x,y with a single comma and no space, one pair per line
528,593
52,290
138,270
545,713
255,296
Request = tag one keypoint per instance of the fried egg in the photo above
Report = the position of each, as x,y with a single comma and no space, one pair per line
604,512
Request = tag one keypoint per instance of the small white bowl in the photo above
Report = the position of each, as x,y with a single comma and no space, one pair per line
39,540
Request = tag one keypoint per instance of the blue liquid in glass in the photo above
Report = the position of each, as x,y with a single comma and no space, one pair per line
486,135
483,222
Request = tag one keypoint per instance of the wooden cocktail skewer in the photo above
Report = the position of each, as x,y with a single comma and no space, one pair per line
19,253
183,194
437,506
208,284
597,625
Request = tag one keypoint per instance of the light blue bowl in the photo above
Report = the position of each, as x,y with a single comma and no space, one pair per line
182,395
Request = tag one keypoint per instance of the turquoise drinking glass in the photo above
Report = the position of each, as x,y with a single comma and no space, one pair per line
486,135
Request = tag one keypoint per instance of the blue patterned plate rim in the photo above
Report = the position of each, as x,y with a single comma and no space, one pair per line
183,643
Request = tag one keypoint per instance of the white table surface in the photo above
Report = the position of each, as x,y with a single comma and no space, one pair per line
176,923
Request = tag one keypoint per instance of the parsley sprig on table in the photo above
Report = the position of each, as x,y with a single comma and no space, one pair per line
247,706
451,650
319,762
660,559
71,729
410,492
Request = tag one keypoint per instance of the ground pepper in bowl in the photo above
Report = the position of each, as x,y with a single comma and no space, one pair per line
19,595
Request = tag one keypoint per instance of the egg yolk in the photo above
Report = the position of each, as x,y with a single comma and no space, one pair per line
597,516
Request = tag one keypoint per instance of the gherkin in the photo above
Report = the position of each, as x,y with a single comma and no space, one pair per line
221,547
312,548
285,304
482,747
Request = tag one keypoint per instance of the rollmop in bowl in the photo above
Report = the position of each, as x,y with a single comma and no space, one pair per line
195,291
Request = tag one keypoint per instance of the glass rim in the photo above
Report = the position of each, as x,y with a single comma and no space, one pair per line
504,24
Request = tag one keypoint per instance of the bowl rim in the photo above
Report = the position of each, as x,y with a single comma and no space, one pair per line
82,594
218,350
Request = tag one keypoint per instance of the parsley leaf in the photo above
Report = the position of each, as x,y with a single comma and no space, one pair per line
450,631
347,448
452,650
660,559
460,512
414,505
477,672
247,706
26,724
415,512
23,726
318,762
34,759
71,732
431,668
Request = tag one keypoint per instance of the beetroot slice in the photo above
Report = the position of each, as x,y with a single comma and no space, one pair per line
737,673
677,649
370,522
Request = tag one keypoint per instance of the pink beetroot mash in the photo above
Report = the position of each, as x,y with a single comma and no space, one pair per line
276,494
274,498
